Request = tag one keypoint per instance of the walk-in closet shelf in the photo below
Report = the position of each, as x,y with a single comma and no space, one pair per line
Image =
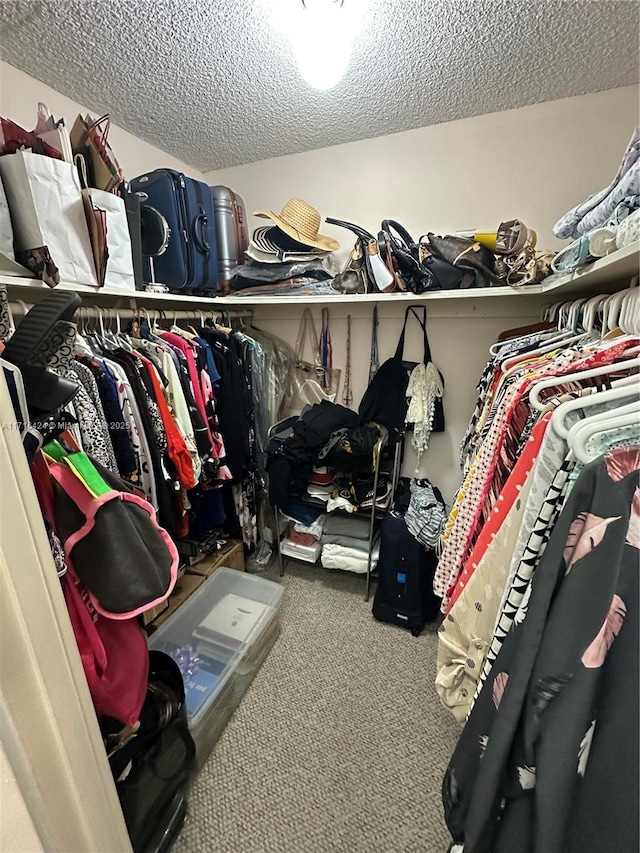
603,275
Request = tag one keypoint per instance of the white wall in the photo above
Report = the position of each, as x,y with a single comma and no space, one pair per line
19,97
17,831
533,163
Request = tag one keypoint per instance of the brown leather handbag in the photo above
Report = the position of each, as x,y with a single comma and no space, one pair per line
466,254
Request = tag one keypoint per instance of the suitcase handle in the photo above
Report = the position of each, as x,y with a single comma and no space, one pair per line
199,233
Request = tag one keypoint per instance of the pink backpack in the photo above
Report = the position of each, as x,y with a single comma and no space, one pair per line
111,538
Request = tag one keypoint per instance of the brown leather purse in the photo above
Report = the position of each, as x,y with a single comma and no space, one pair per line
466,254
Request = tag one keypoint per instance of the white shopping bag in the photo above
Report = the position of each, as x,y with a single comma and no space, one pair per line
53,132
50,231
6,231
119,272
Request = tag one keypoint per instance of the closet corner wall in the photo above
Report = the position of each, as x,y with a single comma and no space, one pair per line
460,333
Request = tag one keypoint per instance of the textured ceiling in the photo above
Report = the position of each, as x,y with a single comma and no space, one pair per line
214,82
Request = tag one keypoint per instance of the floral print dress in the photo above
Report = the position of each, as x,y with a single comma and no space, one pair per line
548,759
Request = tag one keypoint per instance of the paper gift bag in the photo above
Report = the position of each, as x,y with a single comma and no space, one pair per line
47,213
109,231
89,138
6,231
119,267
53,132
8,266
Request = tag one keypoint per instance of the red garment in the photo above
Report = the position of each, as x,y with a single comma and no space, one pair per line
503,505
186,348
176,445
300,538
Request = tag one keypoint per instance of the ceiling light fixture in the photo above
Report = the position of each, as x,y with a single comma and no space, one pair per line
321,34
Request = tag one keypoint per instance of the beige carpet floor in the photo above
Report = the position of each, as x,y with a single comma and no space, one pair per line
339,744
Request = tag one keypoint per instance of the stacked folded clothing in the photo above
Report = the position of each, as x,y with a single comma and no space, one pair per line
302,541
352,493
306,553
596,226
303,512
349,559
340,525
345,544
287,256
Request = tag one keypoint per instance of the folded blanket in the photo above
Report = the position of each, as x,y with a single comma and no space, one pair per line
308,553
315,529
347,541
348,559
299,538
356,528
598,208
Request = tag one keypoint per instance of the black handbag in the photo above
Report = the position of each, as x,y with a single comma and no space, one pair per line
379,277
466,255
385,400
399,251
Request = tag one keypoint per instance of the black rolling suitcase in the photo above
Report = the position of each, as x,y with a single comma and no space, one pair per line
404,595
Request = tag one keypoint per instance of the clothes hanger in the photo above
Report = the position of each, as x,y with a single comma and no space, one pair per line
552,381
579,439
590,312
88,330
510,365
552,312
628,388
568,324
612,312
545,335
629,318
110,340
12,323
603,419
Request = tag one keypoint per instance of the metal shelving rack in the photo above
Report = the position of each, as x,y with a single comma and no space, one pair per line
376,514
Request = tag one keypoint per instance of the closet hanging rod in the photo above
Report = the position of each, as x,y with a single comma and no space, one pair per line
21,307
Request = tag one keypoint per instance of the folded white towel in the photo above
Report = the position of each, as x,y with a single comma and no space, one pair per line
348,559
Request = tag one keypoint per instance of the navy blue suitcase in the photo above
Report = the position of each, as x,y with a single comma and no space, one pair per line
406,568
190,260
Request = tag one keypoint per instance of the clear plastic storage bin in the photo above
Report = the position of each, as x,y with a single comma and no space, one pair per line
220,636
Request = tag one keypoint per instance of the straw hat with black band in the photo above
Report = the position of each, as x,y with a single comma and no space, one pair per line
300,221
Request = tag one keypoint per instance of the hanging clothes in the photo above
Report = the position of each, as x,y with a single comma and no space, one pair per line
534,769
498,451
467,629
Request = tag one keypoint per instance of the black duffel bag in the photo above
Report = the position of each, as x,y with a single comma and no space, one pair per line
152,769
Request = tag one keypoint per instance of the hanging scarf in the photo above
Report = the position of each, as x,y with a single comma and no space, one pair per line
425,386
